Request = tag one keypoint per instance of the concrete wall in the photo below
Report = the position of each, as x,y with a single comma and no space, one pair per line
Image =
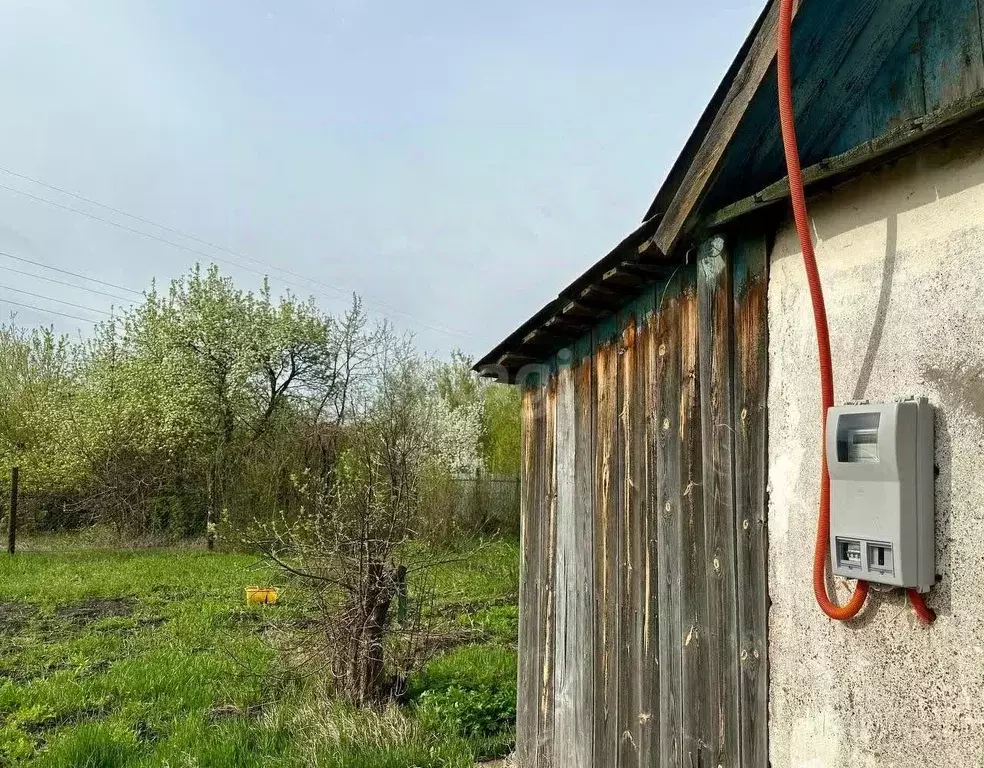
901,255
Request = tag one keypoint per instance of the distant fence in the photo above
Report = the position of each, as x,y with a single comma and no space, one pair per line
458,506
489,501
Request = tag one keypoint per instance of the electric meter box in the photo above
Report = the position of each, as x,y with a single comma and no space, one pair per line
882,519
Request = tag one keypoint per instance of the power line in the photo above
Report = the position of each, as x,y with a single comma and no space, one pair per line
72,274
65,282
57,301
4,300
180,233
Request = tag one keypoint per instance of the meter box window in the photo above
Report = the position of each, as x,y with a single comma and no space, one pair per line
882,520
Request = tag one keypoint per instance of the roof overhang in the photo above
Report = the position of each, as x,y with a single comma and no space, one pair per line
732,166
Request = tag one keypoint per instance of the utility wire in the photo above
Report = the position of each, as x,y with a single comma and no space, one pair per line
71,274
180,233
46,311
57,301
65,282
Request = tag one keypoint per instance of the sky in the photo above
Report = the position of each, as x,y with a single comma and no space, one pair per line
456,164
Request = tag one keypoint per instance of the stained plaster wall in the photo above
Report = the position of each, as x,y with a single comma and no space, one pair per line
901,255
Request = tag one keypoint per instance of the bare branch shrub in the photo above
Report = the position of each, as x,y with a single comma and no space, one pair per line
351,551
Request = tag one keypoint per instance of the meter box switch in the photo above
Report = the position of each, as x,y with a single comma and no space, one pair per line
882,519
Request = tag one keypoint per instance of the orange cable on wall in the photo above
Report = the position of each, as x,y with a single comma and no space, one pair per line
798,197
821,552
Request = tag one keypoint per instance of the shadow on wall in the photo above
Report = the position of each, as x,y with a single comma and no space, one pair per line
949,168
963,389
884,299
928,177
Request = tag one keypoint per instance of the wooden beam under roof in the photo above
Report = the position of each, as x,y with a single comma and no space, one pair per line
707,160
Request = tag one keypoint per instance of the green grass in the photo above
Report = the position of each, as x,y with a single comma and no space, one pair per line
129,659
140,659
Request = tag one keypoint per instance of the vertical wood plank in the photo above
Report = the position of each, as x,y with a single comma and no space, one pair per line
627,462
839,89
573,713
952,56
548,529
717,427
527,691
668,387
692,572
582,645
607,543
638,712
898,93
857,130
567,576
751,398
647,631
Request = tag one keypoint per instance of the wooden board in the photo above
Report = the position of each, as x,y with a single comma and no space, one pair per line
871,33
638,677
630,524
714,310
751,438
644,446
607,544
635,648
574,627
707,159
952,58
667,386
897,93
546,482
585,650
693,607
529,601
566,688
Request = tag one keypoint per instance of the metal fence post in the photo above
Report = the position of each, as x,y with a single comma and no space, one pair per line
12,517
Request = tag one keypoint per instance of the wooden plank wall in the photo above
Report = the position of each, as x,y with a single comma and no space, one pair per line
751,362
937,61
717,438
644,601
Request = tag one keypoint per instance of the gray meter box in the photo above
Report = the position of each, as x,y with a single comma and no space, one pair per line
882,519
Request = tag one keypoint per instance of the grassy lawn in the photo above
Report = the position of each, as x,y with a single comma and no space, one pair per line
152,659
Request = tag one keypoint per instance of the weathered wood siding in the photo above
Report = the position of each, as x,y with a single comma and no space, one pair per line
937,61
644,601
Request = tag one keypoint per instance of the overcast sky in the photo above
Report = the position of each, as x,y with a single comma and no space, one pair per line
455,163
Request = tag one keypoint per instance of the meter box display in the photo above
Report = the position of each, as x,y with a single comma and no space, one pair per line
882,518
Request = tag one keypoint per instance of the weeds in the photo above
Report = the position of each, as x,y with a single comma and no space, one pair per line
151,659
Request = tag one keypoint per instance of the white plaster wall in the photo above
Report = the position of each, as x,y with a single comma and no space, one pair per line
901,255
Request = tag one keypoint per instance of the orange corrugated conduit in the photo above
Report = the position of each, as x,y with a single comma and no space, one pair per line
787,120
821,552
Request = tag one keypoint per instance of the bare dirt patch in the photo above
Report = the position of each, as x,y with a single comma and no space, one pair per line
14,617
95,608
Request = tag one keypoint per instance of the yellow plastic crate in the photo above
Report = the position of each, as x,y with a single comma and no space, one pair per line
261,595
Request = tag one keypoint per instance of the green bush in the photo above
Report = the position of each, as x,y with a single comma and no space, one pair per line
474,713
471,666
469,693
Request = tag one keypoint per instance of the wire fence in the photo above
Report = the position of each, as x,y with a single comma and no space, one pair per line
452,507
